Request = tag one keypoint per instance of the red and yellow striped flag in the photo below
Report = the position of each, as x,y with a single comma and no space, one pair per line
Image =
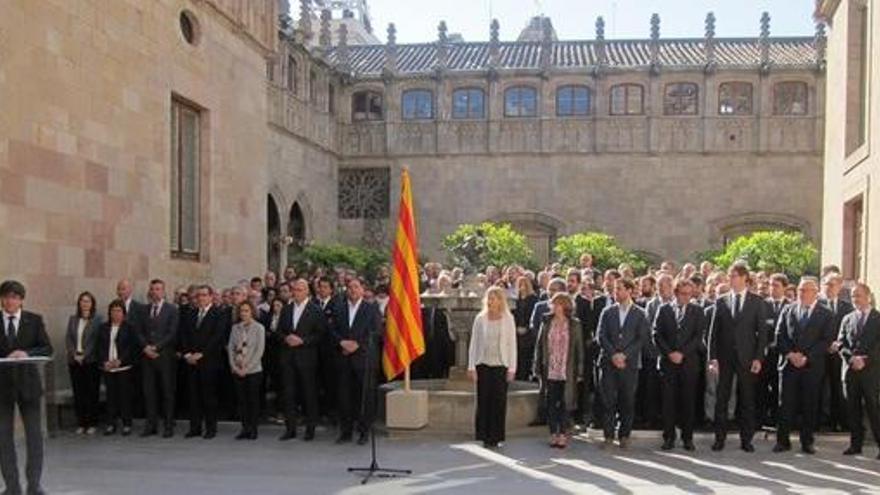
404,340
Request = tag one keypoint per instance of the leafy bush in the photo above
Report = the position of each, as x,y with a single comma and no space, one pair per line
606,252
365,261
475,247
787,252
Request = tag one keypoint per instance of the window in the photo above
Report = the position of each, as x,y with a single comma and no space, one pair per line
313,87
857,56
627,99
468,103
366,105
573,100
681,99
790,98
189,27
331,99
292,83
418,104
520,101
185,170
853,235
735,98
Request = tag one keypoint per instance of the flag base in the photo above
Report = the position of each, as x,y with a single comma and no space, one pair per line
406,410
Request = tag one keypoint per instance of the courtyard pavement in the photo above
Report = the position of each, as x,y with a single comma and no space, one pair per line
122,466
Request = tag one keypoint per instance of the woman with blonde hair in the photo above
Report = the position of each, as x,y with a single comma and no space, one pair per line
559,362
492,364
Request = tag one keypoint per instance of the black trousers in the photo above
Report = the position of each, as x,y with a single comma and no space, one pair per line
837,406
862,391
767,396
525,354
356,404
271,378
679,390
120,394
298,381
619,396
648,403
85,379
557,412
596,371
247,393
586,390
203,400
800,390
328,394
161,374
745,381
491,413
32,419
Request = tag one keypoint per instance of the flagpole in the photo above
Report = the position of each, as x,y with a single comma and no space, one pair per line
406,379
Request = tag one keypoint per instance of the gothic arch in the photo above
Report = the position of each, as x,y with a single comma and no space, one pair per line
275,248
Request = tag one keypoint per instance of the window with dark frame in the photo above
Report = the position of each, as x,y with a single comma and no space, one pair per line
292,79
853,238
790,98
857,58
627,99
313,87
417,104
681,98
521,101
331,99
366,105
185,180
573,100
468,103
735,98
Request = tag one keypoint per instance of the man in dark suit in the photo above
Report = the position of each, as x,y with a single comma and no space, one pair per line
737,343
832,286
23,335
301,327
326,301
623,332
203,347
357,331
135,312
678,335
159,365
767,400
803,335
859,347
648,396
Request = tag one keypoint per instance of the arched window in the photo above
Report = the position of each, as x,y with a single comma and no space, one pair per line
468,103
417,104
627,99
790,98
366,105
520,101
313,87
573,100
292,78
735,98
681,98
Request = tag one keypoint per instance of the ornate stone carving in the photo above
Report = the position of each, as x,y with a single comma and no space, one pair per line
364,193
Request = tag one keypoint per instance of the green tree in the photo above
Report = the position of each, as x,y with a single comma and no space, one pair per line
477,246
606,252
777,251
365,261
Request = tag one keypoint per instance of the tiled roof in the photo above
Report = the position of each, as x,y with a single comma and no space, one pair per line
366,60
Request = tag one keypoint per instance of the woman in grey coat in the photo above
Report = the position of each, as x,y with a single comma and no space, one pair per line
82,362
559,361
247,342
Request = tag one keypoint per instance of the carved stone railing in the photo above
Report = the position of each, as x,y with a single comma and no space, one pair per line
569,135
412,137
622,134
726,134
515,136
463,136
677,134
364,138
300,118
792,134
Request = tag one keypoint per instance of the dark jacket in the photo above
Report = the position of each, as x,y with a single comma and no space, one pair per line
574,360
162,330
22,382
811,339
209,338
310,328
670,335
742,339
629,339
90,337
366,330
127,349
866,343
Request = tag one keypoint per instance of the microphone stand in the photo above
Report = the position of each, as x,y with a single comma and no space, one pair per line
373,469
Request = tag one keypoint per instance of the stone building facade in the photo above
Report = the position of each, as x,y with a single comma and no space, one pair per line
673,146
851,238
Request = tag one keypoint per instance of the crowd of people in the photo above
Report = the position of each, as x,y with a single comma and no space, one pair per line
610,350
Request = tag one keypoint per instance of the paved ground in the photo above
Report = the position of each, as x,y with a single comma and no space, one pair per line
121,466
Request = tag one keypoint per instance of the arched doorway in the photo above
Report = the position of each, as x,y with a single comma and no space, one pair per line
273,237
540,230
296,228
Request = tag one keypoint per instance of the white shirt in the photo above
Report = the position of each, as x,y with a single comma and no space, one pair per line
622,312
808,309
80,330
325,302
127,305
298,311
742,300
832,303
203,312
16,321
113,355
155,309
352,311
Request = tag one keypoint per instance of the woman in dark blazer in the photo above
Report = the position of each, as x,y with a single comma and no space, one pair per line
525,339
82,362
117,351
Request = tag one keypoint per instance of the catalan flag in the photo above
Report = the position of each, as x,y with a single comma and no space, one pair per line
404,340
